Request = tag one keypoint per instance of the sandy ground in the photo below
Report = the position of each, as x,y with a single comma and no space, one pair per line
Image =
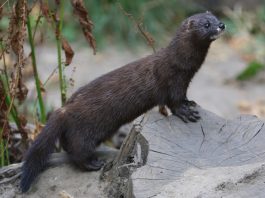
209,88
63,181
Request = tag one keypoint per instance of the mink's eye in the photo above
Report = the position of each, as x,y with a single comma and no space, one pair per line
207,25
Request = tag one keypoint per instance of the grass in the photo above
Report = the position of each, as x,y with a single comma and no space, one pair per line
35,71
61,66
4,153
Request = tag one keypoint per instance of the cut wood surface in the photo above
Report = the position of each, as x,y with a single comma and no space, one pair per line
164,157
214,157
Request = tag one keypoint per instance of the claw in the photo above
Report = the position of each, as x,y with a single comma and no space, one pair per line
192,118
186,113
94,165
195,113
190,103
183,118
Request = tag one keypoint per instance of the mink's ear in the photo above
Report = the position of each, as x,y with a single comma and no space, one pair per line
189,24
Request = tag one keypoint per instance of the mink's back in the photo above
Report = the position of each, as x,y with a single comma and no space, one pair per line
117,97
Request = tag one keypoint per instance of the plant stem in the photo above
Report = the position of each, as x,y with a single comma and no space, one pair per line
4,155
36,76
2,148
7,154
59,26
7,99
5,68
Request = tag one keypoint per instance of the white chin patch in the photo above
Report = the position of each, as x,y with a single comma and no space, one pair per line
215,36
220,32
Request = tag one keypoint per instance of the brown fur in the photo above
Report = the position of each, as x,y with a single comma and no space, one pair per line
97,110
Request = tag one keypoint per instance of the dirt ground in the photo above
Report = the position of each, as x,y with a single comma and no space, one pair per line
63,181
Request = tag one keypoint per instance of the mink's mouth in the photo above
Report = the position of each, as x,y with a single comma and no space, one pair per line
218,33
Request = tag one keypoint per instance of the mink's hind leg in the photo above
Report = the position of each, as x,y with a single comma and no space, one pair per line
87,163
82,153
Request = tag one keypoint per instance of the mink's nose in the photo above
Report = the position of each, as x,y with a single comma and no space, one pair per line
221,26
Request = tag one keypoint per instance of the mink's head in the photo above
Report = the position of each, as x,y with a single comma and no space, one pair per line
203,27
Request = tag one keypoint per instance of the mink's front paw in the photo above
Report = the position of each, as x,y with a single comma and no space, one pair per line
189,103
186,113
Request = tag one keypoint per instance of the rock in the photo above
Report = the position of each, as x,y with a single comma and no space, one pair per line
60,180
164,157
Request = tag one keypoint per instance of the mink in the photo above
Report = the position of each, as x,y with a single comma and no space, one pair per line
97,110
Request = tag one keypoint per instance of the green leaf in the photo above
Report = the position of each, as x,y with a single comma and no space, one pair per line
252,69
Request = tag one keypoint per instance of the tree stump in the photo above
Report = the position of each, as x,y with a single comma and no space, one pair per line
215,157
165,157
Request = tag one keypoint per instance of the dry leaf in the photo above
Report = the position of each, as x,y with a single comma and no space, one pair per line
86,24
64,194
23,120
45,10
1,9
244,106
38,127
42,87
57,2
17,33
69,53
48,14
256,108
21,91
17,28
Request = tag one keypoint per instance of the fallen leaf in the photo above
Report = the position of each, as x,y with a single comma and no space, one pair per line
64,194
69,53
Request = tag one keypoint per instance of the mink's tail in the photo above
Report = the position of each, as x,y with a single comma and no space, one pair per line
37,156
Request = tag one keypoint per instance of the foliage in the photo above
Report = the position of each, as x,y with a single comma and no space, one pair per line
23,20
248,37
157,16
252,69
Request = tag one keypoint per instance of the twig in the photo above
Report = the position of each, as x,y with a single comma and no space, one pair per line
36,26
59,26
146,35
4,3
56,25
149,40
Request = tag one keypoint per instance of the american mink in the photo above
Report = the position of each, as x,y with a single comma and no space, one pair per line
97,110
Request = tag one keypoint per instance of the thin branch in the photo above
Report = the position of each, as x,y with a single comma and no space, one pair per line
4,3
146,35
